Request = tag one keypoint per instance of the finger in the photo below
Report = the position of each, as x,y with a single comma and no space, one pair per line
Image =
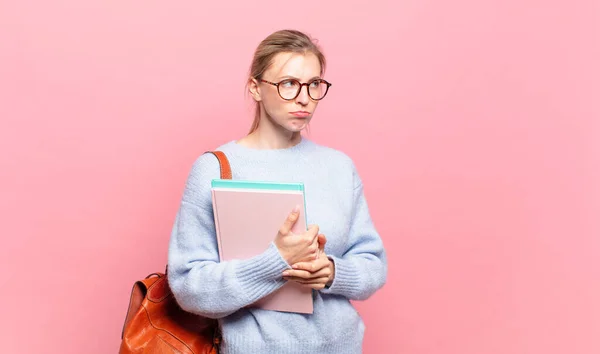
297,279
312,240
305,266
313,230
319,281
311,267
297,274
303,274
290,221
313,245
318,286
316,246
308,281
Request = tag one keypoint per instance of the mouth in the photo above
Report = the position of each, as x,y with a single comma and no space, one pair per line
300,114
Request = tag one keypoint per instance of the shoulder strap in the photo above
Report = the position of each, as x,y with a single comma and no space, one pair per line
224,162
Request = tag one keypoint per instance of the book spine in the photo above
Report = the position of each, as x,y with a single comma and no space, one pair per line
217,228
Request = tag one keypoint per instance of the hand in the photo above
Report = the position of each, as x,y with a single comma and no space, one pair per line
296,248
314,274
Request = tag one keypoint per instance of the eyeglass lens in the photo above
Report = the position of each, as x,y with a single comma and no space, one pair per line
289,89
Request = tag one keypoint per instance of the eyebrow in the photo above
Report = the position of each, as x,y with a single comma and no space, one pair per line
293,77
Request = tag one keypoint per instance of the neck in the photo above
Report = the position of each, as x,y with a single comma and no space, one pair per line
269,136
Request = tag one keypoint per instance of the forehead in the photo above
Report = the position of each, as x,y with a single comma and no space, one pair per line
298,65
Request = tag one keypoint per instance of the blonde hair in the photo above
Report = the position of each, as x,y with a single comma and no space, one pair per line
283,41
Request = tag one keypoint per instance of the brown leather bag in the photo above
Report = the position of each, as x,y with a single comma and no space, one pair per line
156,324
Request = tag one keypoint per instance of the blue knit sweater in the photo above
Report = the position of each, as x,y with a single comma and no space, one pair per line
334,201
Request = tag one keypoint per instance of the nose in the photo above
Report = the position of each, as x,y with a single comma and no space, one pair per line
303,97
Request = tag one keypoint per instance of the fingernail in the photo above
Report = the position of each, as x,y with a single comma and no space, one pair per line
297,208
285,274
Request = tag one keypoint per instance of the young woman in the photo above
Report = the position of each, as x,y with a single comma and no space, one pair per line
341,256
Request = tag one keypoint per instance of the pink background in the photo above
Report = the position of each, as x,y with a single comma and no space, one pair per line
475,126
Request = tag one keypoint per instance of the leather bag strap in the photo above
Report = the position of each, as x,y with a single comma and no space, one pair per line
140,288
224,163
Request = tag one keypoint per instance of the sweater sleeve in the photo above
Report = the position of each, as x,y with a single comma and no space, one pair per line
200,283
362,269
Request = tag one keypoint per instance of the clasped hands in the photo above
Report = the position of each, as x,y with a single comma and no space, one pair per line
306,254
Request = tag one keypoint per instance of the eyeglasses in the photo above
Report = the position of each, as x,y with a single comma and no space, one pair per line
289,89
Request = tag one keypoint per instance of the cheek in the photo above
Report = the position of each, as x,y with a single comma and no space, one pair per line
274,105
269,96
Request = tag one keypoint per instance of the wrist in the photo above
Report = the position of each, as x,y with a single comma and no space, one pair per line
332,273
286,257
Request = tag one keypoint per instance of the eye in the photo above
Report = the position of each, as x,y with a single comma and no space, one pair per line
315,83
287,83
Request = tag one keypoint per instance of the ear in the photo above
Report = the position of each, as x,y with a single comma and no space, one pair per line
254,89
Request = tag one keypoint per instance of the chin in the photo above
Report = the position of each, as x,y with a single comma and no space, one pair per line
295,128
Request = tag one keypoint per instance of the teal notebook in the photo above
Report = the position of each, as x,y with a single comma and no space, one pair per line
257,185
260,186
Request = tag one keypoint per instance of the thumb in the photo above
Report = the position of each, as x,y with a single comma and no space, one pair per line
289,222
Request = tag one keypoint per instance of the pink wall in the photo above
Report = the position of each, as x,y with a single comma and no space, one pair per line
485,112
